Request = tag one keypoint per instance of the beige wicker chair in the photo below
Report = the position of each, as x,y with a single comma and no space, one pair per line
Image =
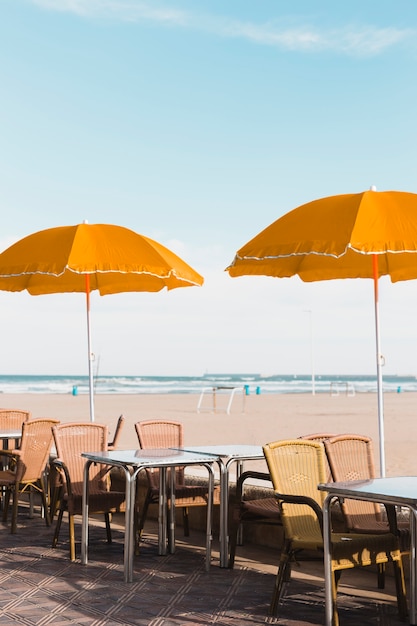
29,466
296,468
70,441
169,434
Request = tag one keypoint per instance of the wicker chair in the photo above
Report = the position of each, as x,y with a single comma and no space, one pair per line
29,466
296,468
263,510
12,419
70,441
351,457
169,434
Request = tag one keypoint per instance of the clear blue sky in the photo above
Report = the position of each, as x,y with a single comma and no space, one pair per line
198,124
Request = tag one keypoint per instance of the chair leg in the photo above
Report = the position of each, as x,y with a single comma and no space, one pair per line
401,590
71,525
45,505
335,581
280,577
14,510
381,575
142,519
6,504
108,528
185,522
57,528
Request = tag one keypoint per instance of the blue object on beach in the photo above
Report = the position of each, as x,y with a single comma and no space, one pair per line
258,391
75,390
247,390
398,389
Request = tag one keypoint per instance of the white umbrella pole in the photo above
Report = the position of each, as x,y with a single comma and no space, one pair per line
379,362
90,353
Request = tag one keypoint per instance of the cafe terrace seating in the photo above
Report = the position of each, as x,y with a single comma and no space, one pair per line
28,468
296,468
169,434
70,441
351,457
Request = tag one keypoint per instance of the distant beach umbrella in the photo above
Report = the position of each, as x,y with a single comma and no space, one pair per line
363,235
88,257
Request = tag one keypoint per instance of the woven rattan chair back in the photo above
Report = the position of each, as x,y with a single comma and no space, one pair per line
351,457
30,463
70,441
12,419
296,468
321,438
161,434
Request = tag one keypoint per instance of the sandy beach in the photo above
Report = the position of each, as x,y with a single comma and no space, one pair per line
254,419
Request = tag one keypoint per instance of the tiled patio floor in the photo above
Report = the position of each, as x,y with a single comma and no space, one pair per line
40,586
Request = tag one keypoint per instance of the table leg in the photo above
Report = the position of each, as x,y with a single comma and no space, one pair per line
413,565
224,495
171,512
162,521
209,534
84,525
327,561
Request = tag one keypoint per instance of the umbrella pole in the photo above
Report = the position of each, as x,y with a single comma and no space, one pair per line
90,353
379,361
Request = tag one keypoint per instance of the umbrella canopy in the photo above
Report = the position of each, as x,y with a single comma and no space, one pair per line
88,257
363,235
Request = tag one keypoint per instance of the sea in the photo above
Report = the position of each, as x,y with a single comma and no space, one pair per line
252,384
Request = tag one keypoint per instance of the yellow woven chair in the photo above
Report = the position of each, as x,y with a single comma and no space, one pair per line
70,441
296,468
29,467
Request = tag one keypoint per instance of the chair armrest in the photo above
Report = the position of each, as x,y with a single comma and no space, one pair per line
306,500
10,453
60,466
250,474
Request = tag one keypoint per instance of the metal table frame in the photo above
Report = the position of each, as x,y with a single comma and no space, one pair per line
397,491
132,462
225,455
9,434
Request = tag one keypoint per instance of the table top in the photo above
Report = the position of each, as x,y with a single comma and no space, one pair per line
393,490
153,457
10,433
228,451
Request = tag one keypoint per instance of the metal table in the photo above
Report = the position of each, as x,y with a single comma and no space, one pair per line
7,434
397,491
132,462
225,455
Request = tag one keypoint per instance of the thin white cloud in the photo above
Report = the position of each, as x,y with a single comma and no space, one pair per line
355,40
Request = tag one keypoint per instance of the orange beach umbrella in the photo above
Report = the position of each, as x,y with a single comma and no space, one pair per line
363,235
88,257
